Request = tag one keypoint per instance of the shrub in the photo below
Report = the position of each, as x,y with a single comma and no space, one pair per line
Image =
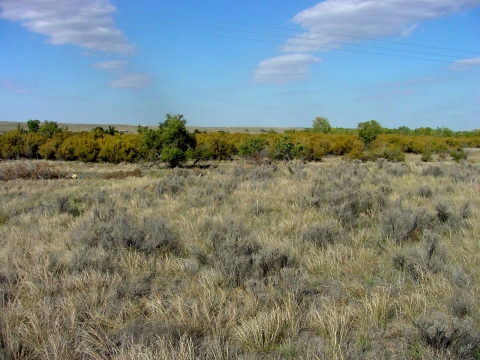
458,155
400,224
417,261
425,191
170,185
111,228
233,252
120,174
172,156
396,169
252,147
443,332
283,148
432,170
65,206
426,156
30,171
461,304
323,234
389,152
271,260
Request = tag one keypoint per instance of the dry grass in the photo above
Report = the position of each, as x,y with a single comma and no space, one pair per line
331,260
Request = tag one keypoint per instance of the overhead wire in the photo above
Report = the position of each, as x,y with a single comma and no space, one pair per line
390,14
304,45
298,38
292,29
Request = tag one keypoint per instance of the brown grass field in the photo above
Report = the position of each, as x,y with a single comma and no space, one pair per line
234,260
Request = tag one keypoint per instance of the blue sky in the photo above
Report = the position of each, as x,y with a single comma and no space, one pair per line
266,63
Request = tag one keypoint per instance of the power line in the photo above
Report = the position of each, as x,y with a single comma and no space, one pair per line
299,38
390,14
313,46
292,29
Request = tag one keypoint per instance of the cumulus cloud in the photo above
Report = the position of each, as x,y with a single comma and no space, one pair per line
85,23
365,19
129,80
466,64
284,69
331,22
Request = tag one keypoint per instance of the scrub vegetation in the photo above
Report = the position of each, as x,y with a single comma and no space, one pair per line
173,145
242,259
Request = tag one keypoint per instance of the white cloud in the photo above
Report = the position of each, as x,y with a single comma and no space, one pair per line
331,22
466,64
284,69
12,86
126,79
365,19
129,80
85,23
110,65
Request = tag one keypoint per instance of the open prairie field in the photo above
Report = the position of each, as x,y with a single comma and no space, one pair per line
233,260
132,129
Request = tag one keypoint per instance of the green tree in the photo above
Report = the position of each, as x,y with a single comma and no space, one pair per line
49,128
368,131
170,142
33,125
321,125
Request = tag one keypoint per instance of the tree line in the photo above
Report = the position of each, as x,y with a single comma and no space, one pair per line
171,143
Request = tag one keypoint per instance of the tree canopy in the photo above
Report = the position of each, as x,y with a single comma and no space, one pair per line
322,125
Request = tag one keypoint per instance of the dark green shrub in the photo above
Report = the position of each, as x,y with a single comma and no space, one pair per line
172,156
252,147
283,148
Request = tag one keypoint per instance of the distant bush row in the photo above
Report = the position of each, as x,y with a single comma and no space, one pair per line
173,144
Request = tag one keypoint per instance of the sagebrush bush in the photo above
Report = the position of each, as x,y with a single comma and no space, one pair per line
432,170
425,191
399,224
323,234
443,332
271,260
233,252
417,261
170,185
110,228
461,304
